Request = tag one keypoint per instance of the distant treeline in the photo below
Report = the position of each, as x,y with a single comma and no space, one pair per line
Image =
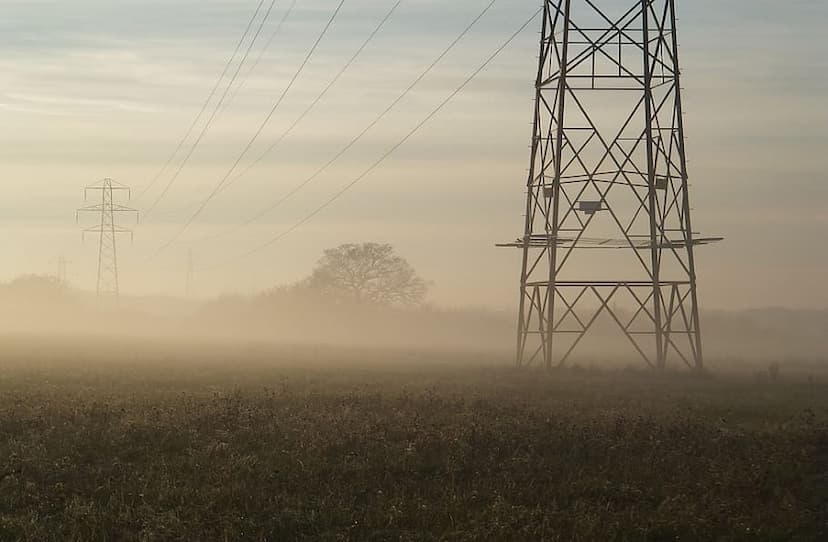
303,314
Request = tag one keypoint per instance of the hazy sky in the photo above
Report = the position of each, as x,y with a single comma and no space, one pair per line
96,88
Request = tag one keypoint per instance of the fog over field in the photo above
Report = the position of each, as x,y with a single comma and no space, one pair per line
107,89
413,270
94,89
42,309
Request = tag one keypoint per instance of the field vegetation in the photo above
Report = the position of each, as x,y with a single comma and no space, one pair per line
252,443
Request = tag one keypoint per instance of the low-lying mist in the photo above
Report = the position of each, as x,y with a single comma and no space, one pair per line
40,311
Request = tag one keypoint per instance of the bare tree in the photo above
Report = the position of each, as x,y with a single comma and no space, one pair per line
368,273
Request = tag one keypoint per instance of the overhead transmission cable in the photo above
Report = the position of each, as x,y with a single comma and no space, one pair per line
215,112
318,98
262,52
304,114
351,143
307,218
261,128
244,78
209,99
307,110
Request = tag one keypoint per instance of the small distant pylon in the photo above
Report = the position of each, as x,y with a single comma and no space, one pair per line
189,288
108,285
62,274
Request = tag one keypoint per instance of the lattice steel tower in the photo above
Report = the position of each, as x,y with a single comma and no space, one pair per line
62,275
189,285
608,232
108,285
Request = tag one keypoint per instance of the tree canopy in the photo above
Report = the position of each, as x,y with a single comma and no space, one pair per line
368,273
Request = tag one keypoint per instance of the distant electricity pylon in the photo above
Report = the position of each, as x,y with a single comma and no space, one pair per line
62,275
189,290
108,230
608,230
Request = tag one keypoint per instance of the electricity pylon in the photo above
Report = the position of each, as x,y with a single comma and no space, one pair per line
188,286
62,275
108,285
607,227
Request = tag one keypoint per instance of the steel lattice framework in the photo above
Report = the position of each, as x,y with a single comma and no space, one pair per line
108,285
189,287
608,231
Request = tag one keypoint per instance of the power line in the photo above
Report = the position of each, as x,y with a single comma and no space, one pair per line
216,110
204,106
385,156
260,129
304,114
319,98
262,52
367,129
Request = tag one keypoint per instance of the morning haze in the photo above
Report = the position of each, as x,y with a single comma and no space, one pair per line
311,332
95,89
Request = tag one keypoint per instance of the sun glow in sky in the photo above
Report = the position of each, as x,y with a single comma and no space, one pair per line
106,88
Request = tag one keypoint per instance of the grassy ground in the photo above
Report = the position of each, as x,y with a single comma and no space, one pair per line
125,448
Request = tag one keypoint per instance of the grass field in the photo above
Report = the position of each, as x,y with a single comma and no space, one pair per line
254,446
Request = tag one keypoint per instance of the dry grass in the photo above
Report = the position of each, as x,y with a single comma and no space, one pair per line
231,449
